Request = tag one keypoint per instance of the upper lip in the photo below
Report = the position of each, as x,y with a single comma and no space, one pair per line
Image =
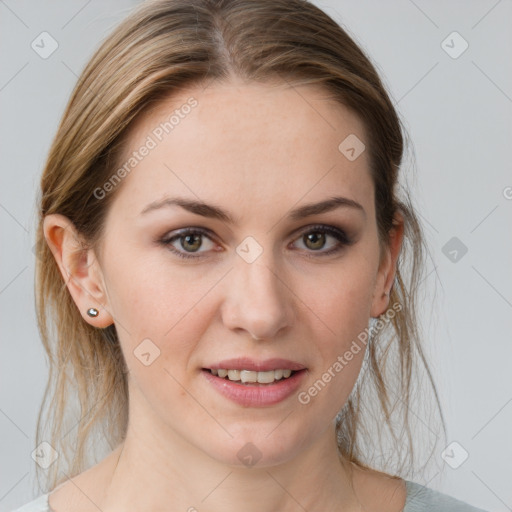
245,363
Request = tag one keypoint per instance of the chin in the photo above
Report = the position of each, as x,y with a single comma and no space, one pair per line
256,448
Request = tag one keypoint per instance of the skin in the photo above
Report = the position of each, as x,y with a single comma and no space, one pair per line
257,151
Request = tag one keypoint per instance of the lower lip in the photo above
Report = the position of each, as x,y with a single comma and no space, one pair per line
256,395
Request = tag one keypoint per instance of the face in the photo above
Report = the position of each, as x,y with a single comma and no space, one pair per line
243,239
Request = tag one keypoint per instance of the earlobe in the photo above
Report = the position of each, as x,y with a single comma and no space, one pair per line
79,268
387,270
382,287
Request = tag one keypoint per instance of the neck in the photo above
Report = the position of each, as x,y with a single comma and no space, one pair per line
155,469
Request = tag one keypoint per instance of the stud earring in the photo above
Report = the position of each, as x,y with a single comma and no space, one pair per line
93,312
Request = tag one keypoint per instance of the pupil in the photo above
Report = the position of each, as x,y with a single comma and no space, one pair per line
191,242
315,240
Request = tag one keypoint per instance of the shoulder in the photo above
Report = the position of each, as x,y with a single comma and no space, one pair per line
40,504
423,499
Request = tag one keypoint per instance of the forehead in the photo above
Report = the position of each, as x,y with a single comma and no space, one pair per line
237,140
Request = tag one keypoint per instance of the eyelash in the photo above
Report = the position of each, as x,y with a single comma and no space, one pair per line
338,234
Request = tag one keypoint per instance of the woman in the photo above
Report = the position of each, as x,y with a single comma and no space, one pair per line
219,222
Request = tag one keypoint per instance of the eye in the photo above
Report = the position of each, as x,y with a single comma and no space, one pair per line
324,240
195,242
189,241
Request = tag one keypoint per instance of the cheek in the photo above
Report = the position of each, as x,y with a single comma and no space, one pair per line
148,292
341,297
159,307
339,306
340,348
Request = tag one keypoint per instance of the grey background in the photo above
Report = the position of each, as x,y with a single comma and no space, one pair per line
458,113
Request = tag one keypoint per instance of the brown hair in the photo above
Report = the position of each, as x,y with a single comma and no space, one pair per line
161,48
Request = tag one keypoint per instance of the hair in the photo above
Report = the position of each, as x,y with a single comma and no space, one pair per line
165,46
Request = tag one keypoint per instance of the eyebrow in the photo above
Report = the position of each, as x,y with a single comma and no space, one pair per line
216,212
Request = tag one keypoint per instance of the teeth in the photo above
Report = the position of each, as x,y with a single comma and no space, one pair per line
249,376
246,376
265,377
234,374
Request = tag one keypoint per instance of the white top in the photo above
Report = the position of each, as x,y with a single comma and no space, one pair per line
419,499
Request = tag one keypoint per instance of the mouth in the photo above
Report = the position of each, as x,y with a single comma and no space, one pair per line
252,388
254,382
251,377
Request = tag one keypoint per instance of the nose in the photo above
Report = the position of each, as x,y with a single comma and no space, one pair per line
258,300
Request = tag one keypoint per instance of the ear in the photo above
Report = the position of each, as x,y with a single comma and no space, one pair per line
387,268
79,268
